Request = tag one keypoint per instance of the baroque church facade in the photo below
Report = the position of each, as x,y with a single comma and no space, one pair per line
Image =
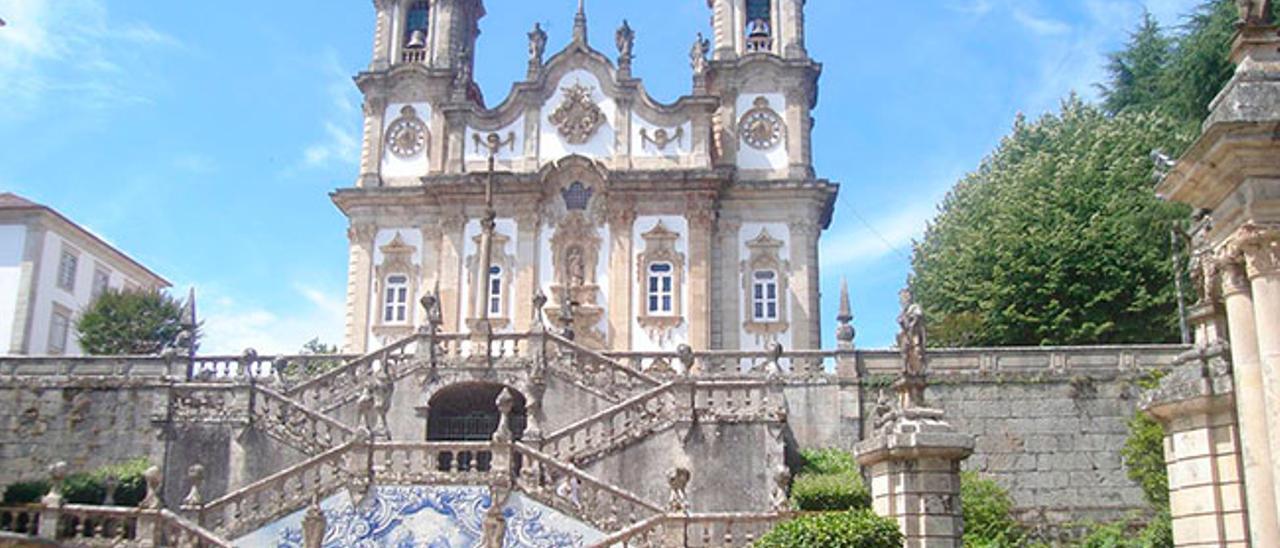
642,226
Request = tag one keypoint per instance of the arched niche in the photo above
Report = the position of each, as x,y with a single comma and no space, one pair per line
469,412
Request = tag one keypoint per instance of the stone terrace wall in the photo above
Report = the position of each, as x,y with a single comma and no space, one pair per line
1049,423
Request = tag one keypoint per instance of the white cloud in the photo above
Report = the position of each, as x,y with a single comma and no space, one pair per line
1040,25
340,144
231,323
74,53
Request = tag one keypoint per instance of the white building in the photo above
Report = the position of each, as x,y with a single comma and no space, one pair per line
50,269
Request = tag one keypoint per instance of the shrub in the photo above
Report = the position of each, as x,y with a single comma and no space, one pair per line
88,487
988,513
1158,533
1110,535
828,461
829,492
849,529
1143,455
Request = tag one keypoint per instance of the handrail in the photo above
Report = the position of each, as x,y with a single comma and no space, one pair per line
81,524
351,365
581,476
602,358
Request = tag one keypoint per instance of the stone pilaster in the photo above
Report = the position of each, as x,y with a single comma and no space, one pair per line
1261,248
913,460
451,249
431,235
375,109
728,293
527,228
381,35
1250,400
1195,404
622,218
805,320
701,219
799,133
359,284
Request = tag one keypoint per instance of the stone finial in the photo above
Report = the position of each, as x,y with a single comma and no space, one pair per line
505,402
684,353
845,332
431,305
539,302
580,24
314,524
109,485
249,362
195,475
153,478
57,475
678,481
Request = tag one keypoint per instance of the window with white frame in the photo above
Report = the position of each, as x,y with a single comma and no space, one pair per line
495,291
661,289
67,266
59,327
101,281
395,300
764,296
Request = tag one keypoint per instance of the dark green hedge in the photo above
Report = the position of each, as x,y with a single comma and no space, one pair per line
87,487
828,492
849,529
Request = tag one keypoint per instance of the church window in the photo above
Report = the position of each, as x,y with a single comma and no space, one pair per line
759,29
764,299
495,291
417,21
395,303
59,327
67,267
101,282
661,288
576,196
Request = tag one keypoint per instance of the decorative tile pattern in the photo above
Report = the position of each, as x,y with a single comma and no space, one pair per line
430,517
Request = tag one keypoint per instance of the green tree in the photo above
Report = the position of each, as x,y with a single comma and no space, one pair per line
121,323
988,514
1200,64
1056,238
1136,73
311,365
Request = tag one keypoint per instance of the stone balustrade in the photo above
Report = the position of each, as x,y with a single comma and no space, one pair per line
140,367
695,530
255,505
82,525
737,401
343,384
630,420
296,425
576,493
436,463
209,403
598,370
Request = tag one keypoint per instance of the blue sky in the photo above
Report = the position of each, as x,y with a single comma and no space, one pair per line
203,137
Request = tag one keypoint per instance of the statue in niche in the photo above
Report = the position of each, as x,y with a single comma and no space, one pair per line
575,268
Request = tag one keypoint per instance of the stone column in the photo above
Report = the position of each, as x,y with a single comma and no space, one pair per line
1261,249
381,34
913,459
805,320
1250,401
451,249
526,275
1194,403
701,219
622,218
359,285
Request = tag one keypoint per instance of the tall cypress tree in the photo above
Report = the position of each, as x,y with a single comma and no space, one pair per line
1136,73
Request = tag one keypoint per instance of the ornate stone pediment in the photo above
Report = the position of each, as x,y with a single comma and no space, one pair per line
660,249
397,259
765,260
578,117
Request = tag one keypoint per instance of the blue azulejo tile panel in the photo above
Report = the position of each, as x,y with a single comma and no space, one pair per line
428,517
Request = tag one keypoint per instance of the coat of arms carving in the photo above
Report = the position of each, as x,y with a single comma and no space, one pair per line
578,117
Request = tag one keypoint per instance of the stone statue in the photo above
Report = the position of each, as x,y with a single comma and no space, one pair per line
911,336
781,478
626,39
366,408
678,480
575,268
698,55
1255,13
537,44
383,388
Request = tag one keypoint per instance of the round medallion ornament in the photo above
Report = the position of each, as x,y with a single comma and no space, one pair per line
761,128
407,135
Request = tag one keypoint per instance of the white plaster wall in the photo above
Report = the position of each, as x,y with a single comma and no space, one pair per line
48,292
13,239
552,146
640,339
642,149
394,166
505,227
507,154
411,237
748,232
547,276
751,158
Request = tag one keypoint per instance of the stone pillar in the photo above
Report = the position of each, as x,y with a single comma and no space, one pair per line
359,285
430,277
1250,402
451,249
622,218
728,294
1195,404
381,35
526,275
701,219
803,242
913,459
1261,249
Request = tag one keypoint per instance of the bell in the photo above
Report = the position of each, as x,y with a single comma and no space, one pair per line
417,39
